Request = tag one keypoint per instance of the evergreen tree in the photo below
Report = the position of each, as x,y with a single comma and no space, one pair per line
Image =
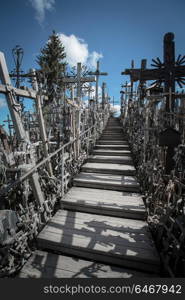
51,62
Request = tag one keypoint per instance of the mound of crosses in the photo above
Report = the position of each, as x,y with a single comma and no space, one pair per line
168,72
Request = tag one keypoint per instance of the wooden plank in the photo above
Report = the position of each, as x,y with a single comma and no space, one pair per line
61,215
109,168
112,147
48,265
107,202
112,138
113,131
113,134
103,197
111,159
107,181
57,231
26,93
114,142
103,210
122,242
111,152
58,226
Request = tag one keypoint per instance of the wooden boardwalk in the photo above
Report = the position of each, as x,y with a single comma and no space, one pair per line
100,230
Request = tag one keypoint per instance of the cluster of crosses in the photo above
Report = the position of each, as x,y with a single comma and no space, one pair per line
169,72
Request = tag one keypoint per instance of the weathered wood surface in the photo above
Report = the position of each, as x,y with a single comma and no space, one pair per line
114,142
113,133
109,168
114,130
111,146
107,181
111,159
48,265
105,137
105,202
111,152
101,219
119,241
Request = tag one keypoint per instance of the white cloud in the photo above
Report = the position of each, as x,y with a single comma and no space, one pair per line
41,6
115,109
2,103
93,58
77,51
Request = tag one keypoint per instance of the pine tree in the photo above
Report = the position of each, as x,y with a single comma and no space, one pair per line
51,62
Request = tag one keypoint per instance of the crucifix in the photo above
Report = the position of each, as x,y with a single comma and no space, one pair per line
22,136
168,72
97,73
41,120
79,80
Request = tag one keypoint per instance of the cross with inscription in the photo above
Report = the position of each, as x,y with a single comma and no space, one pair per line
169,72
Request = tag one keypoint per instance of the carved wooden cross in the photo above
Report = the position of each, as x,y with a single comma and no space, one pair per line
97,73
15,108
168,72
78,79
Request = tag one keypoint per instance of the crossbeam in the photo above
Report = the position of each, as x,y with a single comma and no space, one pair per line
26,93
14,108
154,74
78,79
97,73
168,72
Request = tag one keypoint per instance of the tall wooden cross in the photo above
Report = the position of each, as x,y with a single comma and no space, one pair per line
41,120
168,72
79,80
97,73
15,109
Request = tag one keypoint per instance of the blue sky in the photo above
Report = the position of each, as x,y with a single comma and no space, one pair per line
119,31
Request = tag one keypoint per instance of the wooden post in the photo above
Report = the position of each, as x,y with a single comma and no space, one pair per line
103,94
97,73
41,122
62,172
15,109
79,80
169,65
